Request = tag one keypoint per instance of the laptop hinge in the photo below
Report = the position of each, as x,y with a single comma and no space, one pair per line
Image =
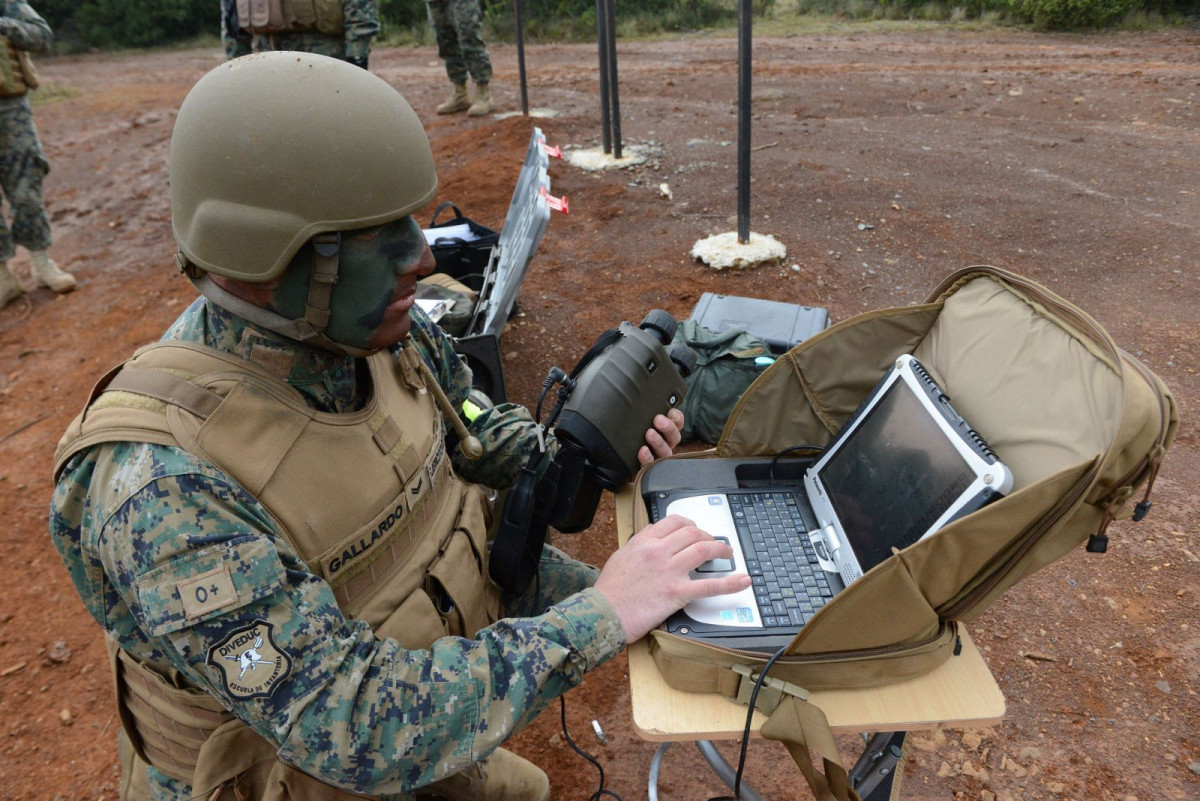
769,695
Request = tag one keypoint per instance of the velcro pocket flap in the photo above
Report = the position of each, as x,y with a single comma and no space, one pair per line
200,585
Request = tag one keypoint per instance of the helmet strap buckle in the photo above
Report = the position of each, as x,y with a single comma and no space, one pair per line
324,276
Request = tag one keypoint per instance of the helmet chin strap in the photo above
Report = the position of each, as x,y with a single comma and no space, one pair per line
309,329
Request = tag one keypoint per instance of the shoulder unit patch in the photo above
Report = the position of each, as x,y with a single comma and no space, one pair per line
249,662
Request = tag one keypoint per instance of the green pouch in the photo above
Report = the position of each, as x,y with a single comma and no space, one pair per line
725,367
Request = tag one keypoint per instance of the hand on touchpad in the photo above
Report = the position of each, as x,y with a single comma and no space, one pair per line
717,565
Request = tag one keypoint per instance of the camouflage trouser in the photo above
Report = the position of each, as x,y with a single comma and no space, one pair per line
303,41
458,24
22,167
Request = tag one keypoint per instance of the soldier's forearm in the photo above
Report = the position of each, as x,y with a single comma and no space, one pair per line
391,720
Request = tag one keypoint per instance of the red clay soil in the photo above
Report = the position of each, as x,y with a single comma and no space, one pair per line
1069,159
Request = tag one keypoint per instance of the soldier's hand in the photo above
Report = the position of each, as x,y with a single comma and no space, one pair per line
648,579
663,437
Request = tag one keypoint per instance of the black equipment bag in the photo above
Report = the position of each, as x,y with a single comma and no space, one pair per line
458,257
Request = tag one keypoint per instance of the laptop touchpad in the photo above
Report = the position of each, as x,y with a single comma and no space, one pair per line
717,565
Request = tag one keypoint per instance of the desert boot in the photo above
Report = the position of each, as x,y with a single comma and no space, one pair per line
457,101
9,288
483,101
47,273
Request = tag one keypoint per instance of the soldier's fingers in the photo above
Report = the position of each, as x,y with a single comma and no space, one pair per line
656,442
644,455
725,585
696,549
668,429
665,527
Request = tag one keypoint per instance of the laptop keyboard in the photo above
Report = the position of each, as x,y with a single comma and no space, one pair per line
789,585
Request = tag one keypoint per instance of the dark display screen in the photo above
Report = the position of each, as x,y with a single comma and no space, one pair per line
894,477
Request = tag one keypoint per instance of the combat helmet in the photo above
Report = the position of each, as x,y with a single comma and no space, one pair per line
274,149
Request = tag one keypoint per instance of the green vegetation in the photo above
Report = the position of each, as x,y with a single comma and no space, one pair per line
111,24
50,93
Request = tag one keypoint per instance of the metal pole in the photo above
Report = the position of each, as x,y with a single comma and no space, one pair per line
613,84
725,771
745,18
602,46
518,8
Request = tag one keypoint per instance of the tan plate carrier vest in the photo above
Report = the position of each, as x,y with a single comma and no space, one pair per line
17,75
368,499
285,16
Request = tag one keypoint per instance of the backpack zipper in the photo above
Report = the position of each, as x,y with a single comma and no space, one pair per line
1148,468
835,656
1043,525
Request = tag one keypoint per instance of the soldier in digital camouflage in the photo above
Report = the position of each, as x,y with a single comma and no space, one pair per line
348,38
23,165
458,27
275,512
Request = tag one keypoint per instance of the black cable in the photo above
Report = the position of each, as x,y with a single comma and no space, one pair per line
562,703
737,780
785,452
601,792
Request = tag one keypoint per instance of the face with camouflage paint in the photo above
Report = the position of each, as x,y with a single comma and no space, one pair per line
378,268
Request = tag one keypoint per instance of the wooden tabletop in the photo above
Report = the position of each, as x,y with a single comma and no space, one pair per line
960,693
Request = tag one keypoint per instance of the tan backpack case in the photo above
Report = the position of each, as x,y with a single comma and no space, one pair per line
1082,424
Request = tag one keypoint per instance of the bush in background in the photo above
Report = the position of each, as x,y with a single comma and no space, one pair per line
88,24
1071,14
128,23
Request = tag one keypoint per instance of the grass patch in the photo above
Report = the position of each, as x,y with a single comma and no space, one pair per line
49,93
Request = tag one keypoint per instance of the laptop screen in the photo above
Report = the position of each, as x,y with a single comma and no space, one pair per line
894,476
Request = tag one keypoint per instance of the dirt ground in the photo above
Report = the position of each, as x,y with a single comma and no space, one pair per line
1070,159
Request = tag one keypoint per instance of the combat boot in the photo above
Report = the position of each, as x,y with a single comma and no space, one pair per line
457,101
9,288
483,101
46,273
503,776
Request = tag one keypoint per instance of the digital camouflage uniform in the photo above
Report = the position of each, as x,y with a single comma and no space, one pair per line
458,27
358,712
361,23
23,164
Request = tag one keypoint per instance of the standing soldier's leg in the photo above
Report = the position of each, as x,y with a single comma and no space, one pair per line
9,288
235,41
467,18
24,168
448,49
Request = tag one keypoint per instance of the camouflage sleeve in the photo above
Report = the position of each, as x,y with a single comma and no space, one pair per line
507,431
558,577
201,568
361,23
25,28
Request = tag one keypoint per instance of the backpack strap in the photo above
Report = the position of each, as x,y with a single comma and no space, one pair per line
802,728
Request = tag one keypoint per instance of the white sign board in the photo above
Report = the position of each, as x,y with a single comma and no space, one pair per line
528,215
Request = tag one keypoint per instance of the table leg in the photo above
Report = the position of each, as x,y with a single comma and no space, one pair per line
722,768
874,774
